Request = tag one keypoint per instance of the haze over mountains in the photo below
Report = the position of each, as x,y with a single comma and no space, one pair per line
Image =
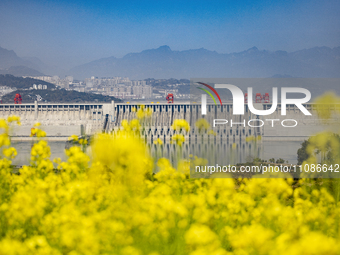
10,63
165,63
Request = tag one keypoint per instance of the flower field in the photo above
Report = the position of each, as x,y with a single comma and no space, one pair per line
110,202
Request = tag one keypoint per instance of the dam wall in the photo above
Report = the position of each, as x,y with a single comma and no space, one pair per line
294,126
58,120
62,120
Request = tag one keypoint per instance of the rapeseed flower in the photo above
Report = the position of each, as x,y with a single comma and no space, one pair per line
110,202
178,139
158,141
180,125
202,125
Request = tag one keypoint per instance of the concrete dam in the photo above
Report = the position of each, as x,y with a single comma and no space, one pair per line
63,120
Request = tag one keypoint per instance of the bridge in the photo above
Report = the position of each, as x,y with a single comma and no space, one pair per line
62,120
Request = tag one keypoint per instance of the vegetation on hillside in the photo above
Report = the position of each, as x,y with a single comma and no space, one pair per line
21,83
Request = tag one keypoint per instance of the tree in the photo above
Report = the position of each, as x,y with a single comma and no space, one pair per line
280,161
330,148
302,153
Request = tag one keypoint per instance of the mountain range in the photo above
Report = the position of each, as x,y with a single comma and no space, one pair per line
166,63
11,63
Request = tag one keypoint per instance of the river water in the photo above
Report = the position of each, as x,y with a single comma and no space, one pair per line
223,152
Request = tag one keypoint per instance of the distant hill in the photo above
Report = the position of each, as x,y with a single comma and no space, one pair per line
9,58
22,83
21,71
43,67
10,63
57,96
165,63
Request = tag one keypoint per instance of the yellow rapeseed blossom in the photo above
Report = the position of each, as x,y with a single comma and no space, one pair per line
4,125
10,152
144,112
135,125
211,132
180,125
14,118
202,125
326,105
250,138
158,141
36,132
73,138
4,140
110,202
178,139
82,141
40,133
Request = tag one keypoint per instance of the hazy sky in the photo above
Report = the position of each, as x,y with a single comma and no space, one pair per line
68,33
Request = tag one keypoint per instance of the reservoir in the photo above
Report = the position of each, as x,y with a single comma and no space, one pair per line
223,152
